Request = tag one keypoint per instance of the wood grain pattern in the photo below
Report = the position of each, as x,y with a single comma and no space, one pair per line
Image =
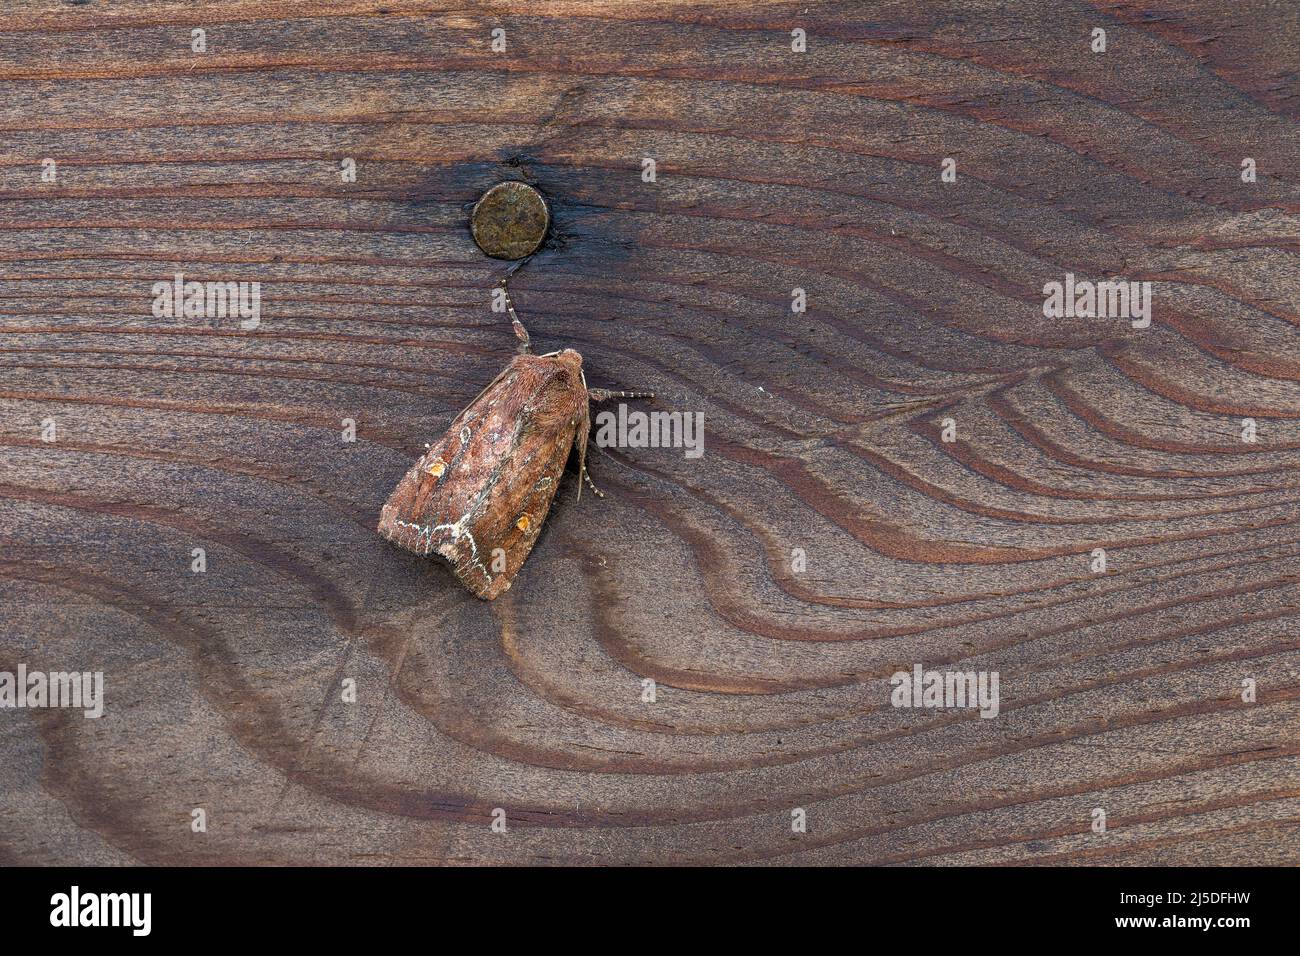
775,170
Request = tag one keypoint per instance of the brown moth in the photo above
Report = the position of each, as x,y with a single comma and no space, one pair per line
480,493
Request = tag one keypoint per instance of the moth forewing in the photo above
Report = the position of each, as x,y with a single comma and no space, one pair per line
479,495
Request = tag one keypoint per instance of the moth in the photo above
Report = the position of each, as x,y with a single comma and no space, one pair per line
479,495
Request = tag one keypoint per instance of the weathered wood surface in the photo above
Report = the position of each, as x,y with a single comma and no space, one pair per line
775,170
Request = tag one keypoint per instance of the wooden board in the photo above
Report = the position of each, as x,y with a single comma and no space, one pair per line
774,171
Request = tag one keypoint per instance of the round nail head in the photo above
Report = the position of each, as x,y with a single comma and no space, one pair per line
509,221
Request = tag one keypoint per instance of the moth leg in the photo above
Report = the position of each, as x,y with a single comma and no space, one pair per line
604,394
586,476
581,440
521,333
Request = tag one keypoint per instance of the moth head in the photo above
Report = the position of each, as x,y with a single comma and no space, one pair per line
570,357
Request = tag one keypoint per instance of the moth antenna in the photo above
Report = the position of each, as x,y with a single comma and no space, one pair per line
604,394
521,333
